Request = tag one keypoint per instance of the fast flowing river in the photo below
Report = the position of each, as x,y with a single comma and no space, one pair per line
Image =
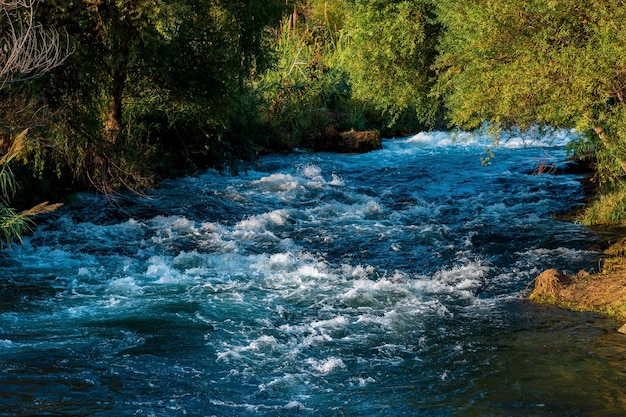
385,284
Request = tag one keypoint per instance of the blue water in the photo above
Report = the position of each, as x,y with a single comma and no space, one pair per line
385,284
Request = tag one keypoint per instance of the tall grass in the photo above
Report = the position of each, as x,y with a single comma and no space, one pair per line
14,224
306,92
608,208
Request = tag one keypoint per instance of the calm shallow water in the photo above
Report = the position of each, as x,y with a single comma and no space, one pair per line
384,284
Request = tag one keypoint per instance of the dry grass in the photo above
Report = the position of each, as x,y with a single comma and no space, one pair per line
603,293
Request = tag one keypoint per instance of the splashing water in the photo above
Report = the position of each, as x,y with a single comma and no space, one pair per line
383,284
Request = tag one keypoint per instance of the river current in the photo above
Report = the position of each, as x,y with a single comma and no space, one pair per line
390,283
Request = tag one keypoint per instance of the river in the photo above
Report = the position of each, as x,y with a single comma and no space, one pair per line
390,283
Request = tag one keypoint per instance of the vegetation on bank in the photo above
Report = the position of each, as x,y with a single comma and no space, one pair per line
28,51
603,292
145,90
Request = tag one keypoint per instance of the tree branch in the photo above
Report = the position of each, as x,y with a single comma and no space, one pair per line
27,49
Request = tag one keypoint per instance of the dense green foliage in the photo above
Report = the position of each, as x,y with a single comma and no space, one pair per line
352,64
158,88
154,86
304,92
541,62
390,51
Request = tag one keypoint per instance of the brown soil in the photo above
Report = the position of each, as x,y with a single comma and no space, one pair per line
604,292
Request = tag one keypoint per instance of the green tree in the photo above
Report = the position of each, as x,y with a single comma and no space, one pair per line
540,62
153,83
346,64
390,48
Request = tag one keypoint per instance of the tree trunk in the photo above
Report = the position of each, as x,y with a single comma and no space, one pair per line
113,124
120,39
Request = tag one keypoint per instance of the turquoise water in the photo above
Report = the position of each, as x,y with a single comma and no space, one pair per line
385,284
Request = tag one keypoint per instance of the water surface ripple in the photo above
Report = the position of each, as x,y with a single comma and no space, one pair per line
383,284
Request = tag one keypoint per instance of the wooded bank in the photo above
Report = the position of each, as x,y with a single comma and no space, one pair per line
121,94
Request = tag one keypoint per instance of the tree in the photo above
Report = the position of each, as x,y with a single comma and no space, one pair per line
154,84
543,62
389,53
346,64
540,62
28,51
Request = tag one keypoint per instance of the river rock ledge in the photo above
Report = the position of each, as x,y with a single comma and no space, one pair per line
353,141
604,292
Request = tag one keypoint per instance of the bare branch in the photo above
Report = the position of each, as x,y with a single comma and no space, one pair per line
27,49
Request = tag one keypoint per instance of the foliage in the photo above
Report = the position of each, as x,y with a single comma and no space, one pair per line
539,62
302,95
14,224
389,50
608,208
153,86
344,64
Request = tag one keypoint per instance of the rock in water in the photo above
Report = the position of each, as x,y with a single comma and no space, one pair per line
346,142
359,141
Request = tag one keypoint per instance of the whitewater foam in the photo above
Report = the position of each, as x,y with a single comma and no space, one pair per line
508,140
314,283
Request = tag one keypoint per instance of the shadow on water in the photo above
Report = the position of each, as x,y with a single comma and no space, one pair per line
550,363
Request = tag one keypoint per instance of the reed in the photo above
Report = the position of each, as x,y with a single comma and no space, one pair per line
14,224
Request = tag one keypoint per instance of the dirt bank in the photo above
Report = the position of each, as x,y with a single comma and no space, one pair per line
604,292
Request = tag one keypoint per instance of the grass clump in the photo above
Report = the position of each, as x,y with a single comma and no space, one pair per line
603,292
608,208
14,224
